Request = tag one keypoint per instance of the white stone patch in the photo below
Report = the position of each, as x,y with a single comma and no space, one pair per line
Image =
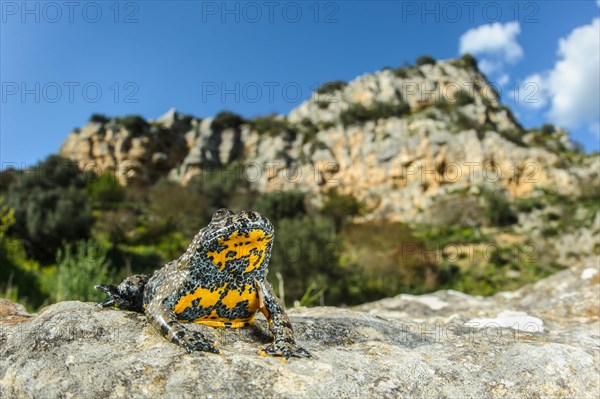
520,321
509,295
588,273
433,302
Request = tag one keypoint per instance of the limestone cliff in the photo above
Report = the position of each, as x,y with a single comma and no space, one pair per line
395,139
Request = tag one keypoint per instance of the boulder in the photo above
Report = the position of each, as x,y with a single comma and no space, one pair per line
540,341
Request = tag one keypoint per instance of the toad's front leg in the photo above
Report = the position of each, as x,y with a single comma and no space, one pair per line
164,320
284,343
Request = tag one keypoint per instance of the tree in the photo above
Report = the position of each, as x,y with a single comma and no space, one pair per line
227,120
222,186
281,204
340,207
51,206
305,253
106,190
425,60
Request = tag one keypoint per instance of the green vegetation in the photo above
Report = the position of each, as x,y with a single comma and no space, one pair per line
469,61
463,97
282,204
425,60
341,207
106,190
358,113
227,120
99,118
134,123
385,259
272,125
50,206
76,271
466,61
221,187
401,72
62,231
498,209
330,87
506,267
462,122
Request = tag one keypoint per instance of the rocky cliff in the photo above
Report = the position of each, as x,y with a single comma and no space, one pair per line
395,139
539,341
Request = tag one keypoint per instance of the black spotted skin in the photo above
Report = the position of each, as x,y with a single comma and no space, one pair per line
219,281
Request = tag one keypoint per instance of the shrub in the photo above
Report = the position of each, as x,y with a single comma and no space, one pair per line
272,125
227,120
442,104
505,268
462,122
358,113
401,72
173,207
51,206
322,104
330,87
220,186
425,60
469,61
18,275
78,271
106,190
117,224
134,123
388,258
7,217
281,204
498,209
466,211
513,135
308,129
305,253
463,97
340,207
99,118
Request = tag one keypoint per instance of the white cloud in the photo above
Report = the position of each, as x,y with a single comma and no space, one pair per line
534,91
595,128
488,67
497,40
573,85
503,79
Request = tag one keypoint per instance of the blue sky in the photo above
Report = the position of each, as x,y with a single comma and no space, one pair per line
60,62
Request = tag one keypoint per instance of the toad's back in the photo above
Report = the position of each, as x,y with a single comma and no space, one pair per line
219,272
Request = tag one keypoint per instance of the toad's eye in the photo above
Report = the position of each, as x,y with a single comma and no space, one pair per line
221,214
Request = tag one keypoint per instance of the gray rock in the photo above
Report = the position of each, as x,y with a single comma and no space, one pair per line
444,344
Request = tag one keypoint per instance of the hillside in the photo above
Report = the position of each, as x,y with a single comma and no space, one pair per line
395,139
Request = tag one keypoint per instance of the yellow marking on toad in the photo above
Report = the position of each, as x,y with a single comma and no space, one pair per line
251,246
223,322
207,298
234,297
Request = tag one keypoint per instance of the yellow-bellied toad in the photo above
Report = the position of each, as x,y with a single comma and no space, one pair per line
219,281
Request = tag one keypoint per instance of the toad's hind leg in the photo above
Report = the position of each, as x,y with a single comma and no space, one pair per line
164,320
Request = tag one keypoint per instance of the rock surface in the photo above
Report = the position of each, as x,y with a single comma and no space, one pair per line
540,341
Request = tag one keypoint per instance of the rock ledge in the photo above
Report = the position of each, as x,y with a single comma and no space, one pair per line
540,341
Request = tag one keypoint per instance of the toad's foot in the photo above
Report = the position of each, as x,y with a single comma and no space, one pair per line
194,341
284,348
